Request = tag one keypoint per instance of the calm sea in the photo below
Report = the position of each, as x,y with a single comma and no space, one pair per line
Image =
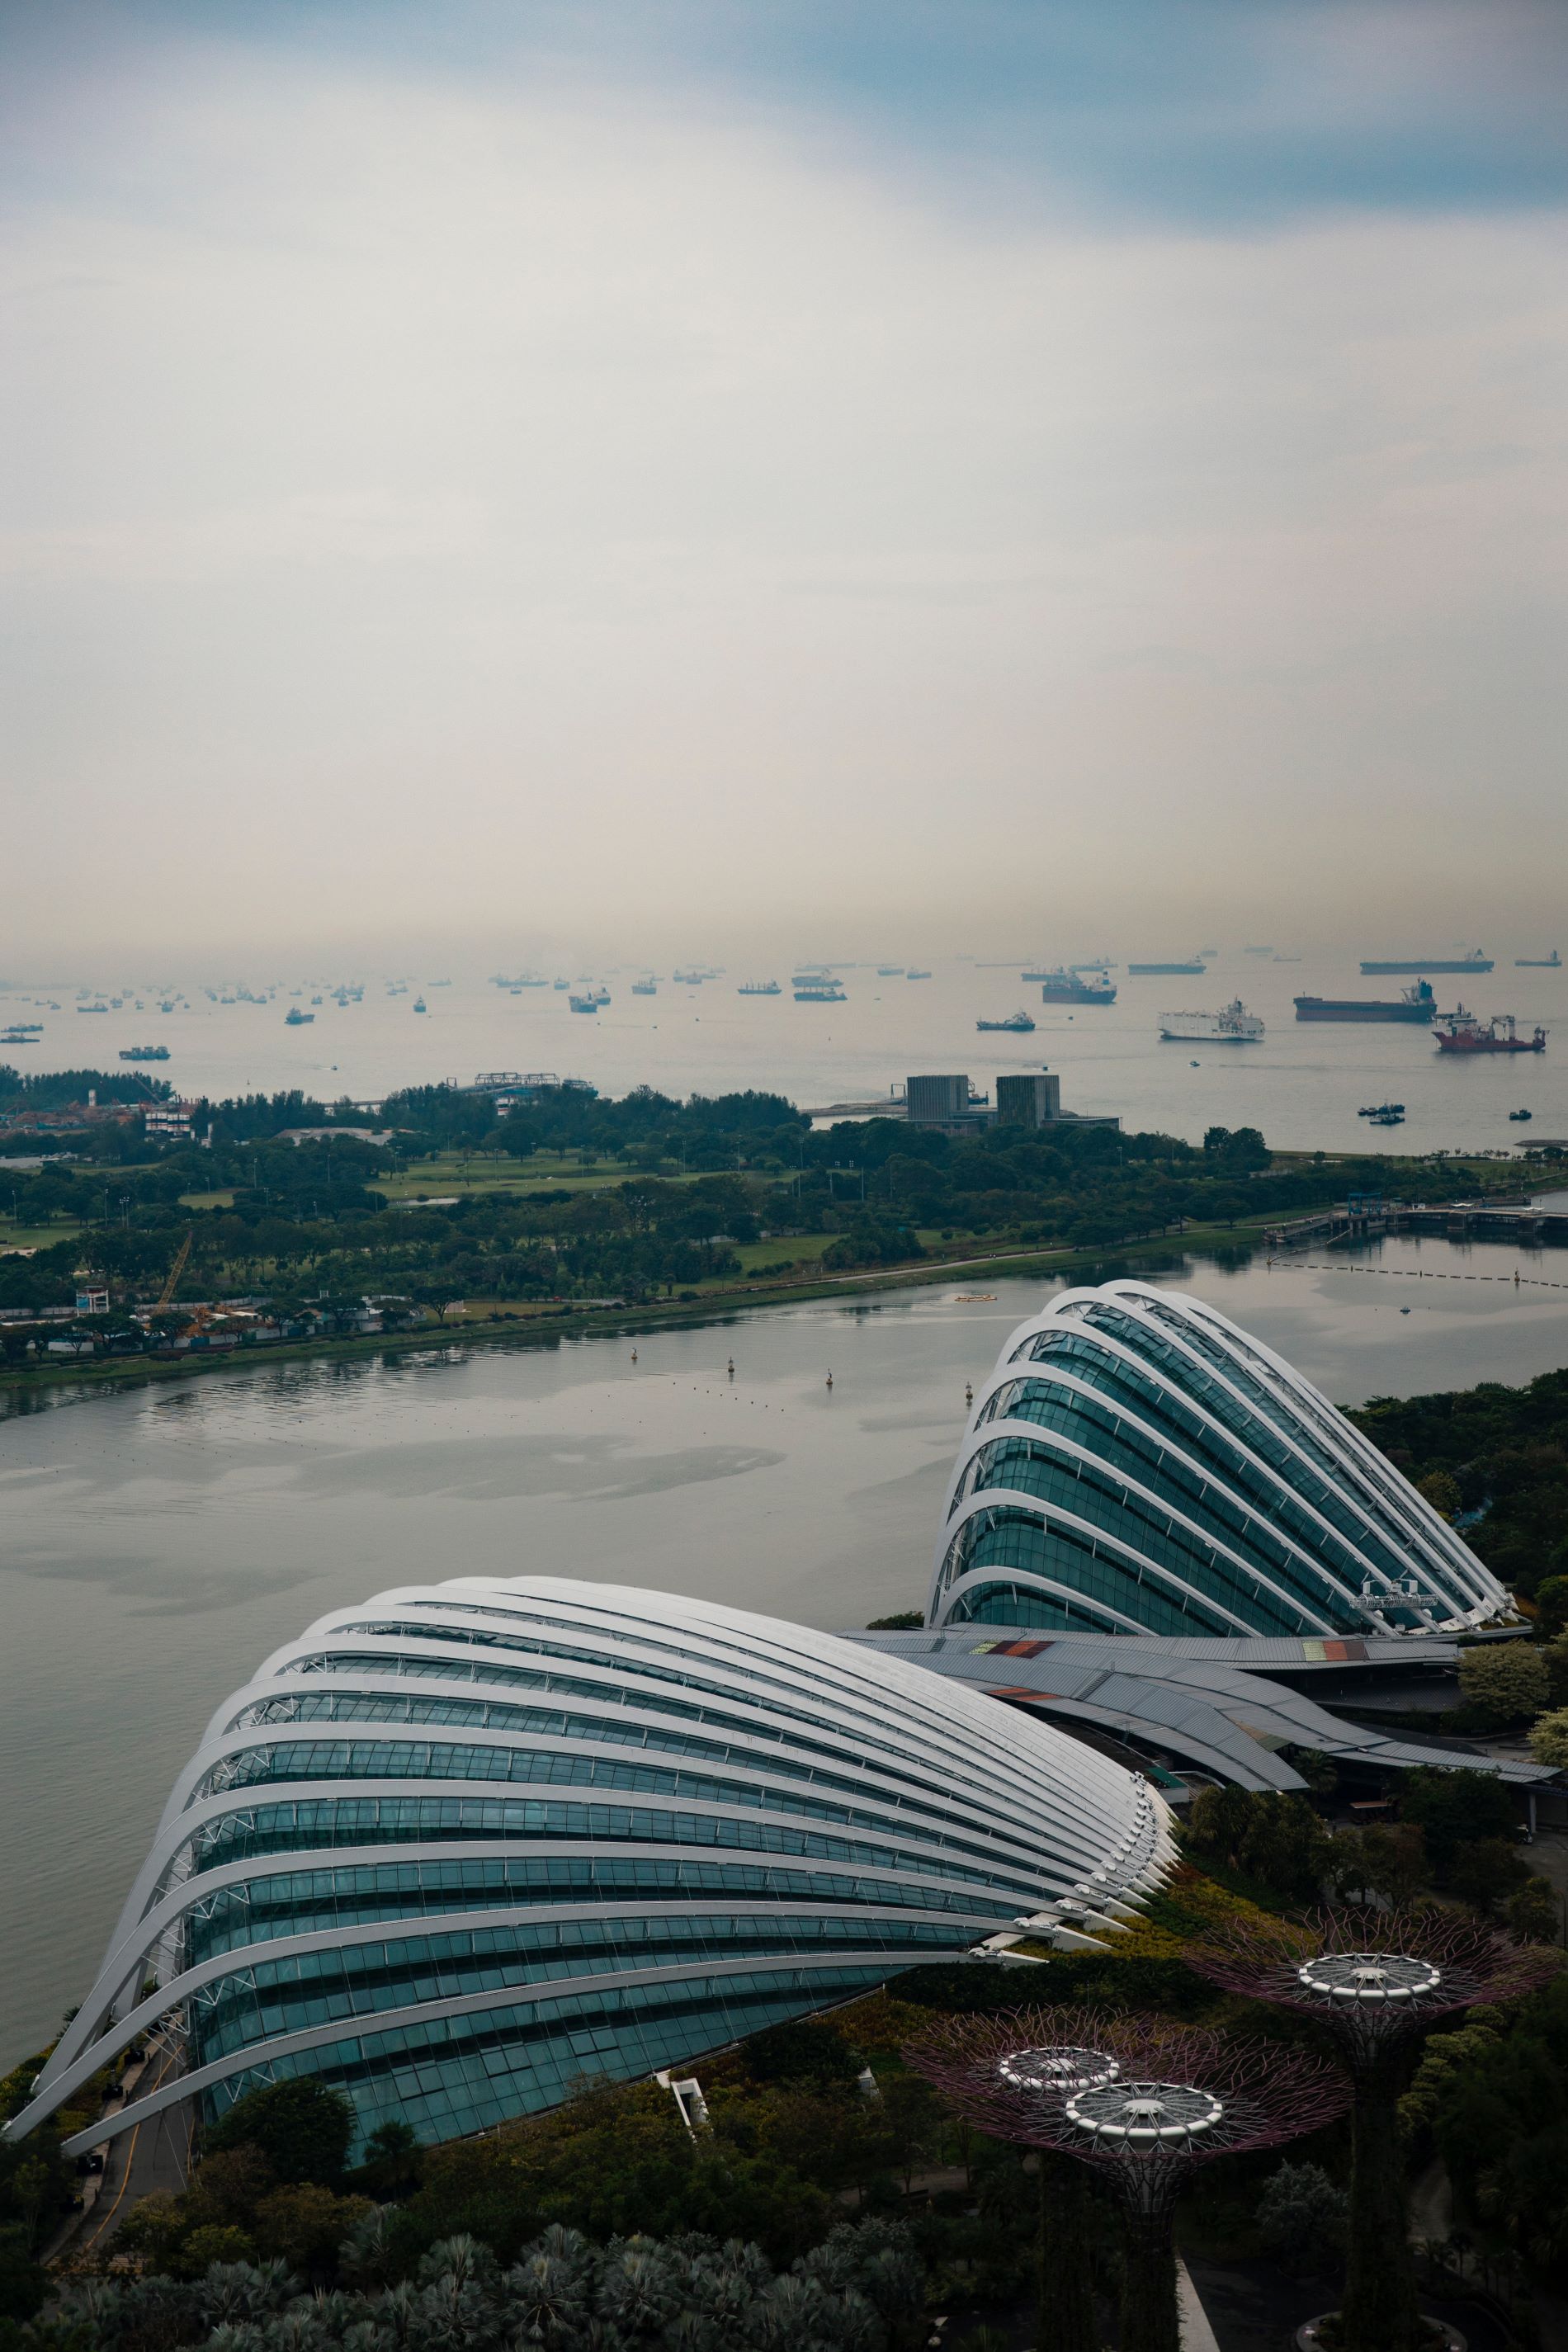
159,1544
1303,1084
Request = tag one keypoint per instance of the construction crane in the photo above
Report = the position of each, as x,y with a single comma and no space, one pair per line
176,1271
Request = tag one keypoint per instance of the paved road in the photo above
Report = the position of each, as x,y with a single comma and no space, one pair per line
153,2154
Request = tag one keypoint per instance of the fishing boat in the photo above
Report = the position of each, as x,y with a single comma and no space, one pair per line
1014,1021
1463,1033
1232,1026
759,988
1414,1003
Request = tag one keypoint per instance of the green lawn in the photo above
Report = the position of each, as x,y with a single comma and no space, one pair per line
498,1172
23,1236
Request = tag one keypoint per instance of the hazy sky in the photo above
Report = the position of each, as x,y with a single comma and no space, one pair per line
677,476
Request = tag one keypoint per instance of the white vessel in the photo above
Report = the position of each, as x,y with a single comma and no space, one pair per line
1234,1025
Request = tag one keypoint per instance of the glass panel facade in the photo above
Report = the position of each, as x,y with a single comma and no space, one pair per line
461,1849
1177,1479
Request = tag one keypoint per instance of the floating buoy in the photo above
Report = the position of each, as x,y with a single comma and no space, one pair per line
634,1355
830,1380
968,1393
731,1368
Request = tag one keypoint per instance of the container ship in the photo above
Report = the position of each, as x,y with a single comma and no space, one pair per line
1464,1033
1233,1025
1417,1004
1014,1021
1474,961
1152,970
1061,987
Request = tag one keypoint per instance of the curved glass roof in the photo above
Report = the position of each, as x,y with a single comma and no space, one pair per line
460,1847
1137,1462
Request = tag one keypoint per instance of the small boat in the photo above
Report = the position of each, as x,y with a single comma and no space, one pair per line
1382,1110
759,988
1389,1118
295,1019
419,1003
1016,1021
1517,1115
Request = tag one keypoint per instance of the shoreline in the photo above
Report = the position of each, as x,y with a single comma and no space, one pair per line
72,1379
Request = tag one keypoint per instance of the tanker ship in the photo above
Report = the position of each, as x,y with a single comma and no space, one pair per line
1474,961
1417,1004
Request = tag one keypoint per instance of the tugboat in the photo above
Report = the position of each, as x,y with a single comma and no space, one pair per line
1016,1020
1464,1034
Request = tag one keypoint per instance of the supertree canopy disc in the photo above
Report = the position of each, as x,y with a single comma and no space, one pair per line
1167,2096
1374,1977
1059,2069
1139,2117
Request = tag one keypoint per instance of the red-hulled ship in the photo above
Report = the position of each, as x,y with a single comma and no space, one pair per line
1464,1033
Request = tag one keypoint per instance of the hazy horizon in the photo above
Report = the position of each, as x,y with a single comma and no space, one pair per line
646,481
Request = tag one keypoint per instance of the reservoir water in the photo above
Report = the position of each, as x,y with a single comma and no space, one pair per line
1302,1085
159,1543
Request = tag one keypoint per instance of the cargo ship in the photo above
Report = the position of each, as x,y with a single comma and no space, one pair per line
295,1019
913,974
759,988
1016,1020
818,992
1464,1033
589,1003
1554,962
1417,1004
644,988
1153,971
1061,987
143,1053
1474,961
1233,1025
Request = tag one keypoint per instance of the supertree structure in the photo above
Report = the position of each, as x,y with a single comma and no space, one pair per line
1376,1982
1143,2102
